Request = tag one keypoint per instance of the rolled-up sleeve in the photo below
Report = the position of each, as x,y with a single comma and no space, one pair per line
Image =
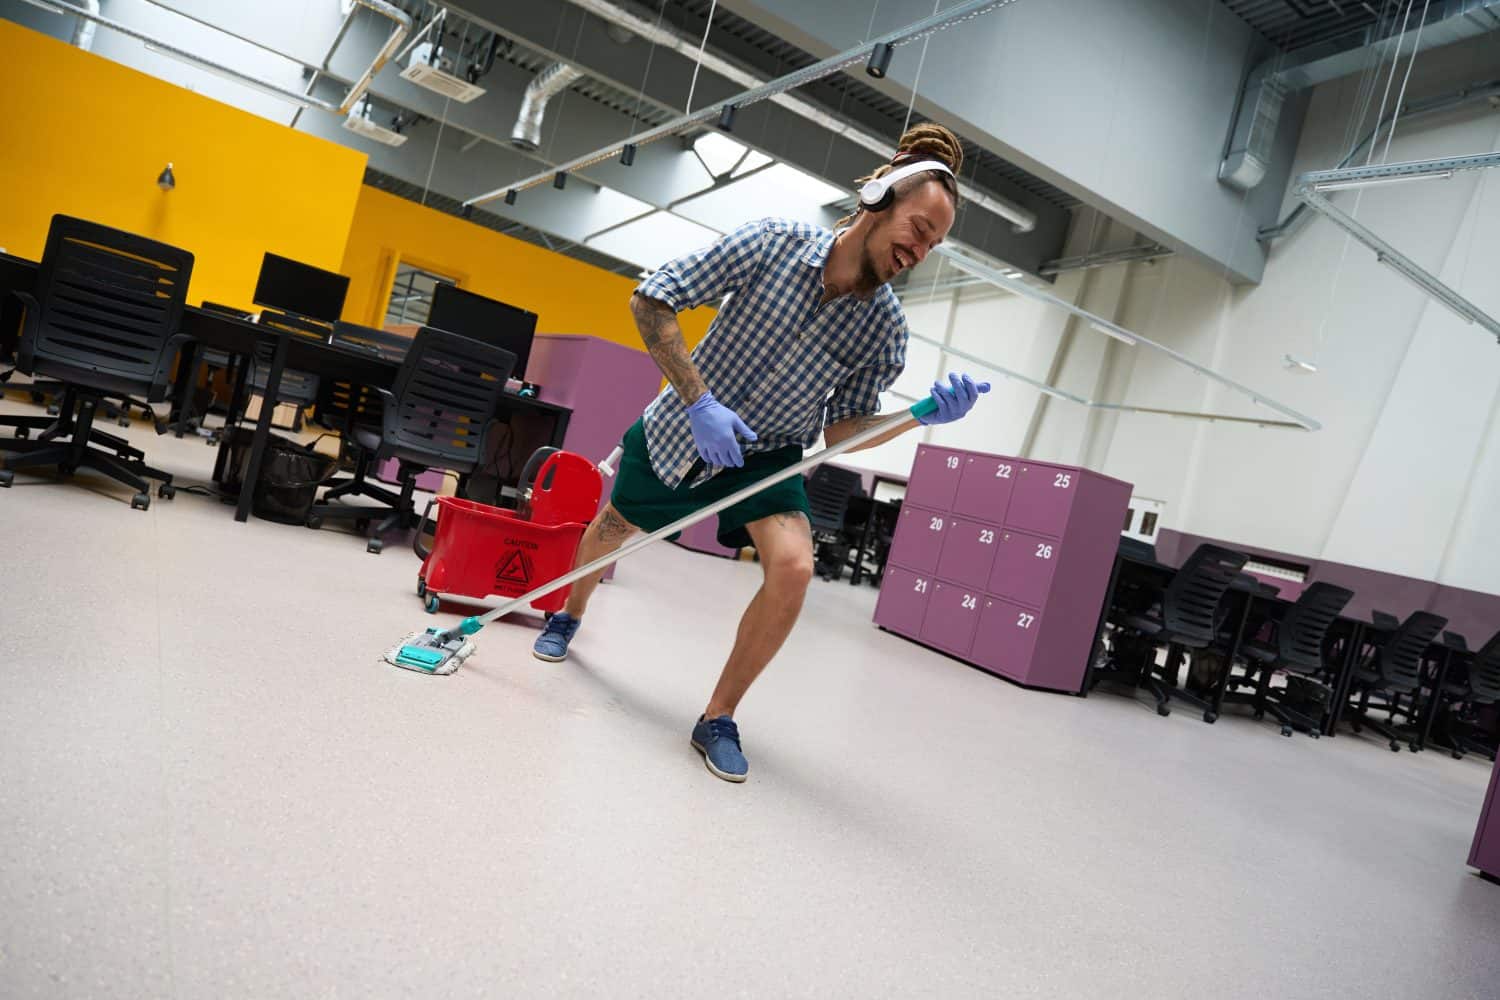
859,394
707,275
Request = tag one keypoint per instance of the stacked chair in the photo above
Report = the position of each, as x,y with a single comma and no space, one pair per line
105,322
1390,679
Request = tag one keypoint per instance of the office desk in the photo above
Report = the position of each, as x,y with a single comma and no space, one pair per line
237,336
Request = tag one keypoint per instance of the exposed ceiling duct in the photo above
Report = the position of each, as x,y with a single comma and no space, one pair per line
1022,219
1259,112
527,132
83,32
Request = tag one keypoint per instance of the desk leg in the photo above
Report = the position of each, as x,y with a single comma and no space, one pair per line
1098,643
864,544
1217,696
1432,702
262,429
231,415
1342,682
187,381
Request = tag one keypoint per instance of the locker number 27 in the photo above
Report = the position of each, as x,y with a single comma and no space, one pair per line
1023,620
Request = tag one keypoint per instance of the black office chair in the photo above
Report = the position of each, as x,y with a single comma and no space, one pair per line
1296,647
1392,672
828,491
211,360
1186,617
371,339
105,320
437,415
1467,695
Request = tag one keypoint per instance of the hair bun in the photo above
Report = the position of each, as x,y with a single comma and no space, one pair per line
931,140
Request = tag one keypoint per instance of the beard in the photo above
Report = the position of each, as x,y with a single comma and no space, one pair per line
869,279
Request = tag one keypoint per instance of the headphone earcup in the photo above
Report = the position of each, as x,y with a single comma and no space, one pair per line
876,196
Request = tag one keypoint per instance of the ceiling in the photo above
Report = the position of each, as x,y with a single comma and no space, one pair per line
1294,24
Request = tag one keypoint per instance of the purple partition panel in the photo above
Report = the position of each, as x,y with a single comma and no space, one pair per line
1078,583
1471,613
919,538
1485,852
934,477
1006,637
389,471
985,486
1024,566
903,601
952,614
1042,497
968,552
704,537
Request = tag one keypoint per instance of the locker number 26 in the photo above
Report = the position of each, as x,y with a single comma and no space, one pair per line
1043,550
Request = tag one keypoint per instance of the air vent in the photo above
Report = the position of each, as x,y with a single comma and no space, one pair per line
431,71
361,125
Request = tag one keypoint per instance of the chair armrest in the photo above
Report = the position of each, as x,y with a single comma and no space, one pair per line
30,324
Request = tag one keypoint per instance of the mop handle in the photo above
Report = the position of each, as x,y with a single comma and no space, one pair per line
473,624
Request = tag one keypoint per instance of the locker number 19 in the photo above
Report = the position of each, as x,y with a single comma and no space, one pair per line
952,461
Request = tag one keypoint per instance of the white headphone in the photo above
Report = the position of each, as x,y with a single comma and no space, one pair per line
876,195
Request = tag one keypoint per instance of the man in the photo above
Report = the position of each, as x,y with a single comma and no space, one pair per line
809,337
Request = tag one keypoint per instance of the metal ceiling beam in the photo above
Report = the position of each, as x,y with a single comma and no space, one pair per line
1310,190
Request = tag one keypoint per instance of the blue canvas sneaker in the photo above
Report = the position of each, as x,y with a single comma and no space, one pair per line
552,644
718,740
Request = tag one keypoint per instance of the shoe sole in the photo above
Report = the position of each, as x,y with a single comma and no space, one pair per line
736,778
548,657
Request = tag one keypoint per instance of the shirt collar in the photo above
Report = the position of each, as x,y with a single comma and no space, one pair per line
816,252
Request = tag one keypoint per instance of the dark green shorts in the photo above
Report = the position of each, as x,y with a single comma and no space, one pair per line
648,503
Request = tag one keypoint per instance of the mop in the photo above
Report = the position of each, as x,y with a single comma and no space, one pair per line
443,650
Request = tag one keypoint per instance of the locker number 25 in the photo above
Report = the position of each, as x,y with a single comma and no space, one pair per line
1062,480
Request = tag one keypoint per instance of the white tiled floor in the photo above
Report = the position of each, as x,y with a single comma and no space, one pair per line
209,786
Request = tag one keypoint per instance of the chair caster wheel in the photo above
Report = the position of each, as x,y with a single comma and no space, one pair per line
141,501
22,433
6,478
1413,747
432,604
421,587
125,422
1395,747
166,491
38,398
1258,716
362,525
1315,734
1455,755
314,521
1286,730
52,410
1210,717
1163,711
374,545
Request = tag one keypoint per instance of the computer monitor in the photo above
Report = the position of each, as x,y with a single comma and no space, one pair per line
294,287
510,328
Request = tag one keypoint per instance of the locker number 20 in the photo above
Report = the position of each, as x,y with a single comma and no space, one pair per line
936,524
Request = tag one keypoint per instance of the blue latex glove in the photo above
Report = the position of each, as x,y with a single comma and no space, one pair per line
714,428
954,400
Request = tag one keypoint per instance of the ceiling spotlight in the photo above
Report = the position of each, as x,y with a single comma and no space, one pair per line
627,154
560,180
726,117
467,212
166,180
880,60
510,196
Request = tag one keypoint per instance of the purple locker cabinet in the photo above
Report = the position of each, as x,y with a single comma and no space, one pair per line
1024,566
984,487
1042,497
1485,854
903,601
934,477
1056,531
968,552
952,614
919,538
1006,637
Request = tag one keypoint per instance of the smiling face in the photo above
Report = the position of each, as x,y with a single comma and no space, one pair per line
903,235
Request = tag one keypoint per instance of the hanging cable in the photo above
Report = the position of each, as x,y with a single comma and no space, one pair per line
709,23
1396,112
640,99
917,80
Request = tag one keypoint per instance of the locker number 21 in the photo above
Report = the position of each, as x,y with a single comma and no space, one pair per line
921,587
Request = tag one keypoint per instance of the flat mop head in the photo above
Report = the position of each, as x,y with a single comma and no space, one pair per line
430,652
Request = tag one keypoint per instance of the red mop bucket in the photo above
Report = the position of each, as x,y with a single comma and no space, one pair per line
479,551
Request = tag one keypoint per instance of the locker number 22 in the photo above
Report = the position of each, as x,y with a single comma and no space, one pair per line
1002,471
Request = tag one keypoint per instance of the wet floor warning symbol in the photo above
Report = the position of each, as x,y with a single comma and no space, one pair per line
513,570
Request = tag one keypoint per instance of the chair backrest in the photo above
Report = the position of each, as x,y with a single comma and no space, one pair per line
1385,621
1134,548
1192,598
1400,659
1299,637
828,491
445,394
296,386
1484,672
109,303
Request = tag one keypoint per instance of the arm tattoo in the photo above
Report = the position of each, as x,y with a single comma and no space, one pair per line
663,338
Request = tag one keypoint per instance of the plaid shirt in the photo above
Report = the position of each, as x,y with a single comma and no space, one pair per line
786,366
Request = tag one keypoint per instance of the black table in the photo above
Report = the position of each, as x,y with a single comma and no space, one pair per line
288,350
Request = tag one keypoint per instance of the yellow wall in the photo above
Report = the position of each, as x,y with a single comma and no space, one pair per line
86,136
567,295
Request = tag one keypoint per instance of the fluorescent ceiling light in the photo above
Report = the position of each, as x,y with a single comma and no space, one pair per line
1364,182
725,206
654,240
1119,335
718,152
1296,365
